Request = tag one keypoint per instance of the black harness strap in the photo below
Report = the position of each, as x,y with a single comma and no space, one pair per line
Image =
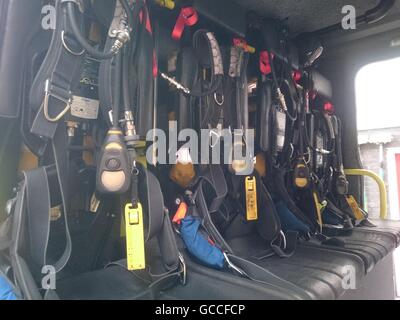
38,205
51,92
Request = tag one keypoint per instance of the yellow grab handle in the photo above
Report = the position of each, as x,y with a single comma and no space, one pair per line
381,185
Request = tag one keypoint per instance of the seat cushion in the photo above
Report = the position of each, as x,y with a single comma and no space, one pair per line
318,271
390,226
116,283
204,283
113,283
370,244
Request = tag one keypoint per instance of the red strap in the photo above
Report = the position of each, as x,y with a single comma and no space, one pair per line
145,14
296,76
187,18
241,43
148,22
265,63
155,65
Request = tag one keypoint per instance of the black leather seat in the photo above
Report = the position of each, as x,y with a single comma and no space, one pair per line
370,244
116,283
318,271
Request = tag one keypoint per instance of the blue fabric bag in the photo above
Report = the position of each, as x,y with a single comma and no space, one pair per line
198,245
6,290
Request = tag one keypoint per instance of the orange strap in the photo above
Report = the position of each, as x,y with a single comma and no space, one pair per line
180,213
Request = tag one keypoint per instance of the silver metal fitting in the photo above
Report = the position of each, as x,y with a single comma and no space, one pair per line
323,151
175,83
130,129
123,36
71,128
281,99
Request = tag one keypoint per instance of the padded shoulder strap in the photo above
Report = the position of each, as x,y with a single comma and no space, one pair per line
158,221
215,177
51,91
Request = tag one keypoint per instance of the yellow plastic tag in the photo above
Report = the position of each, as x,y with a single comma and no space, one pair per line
319,208
134,237
251,199
358,214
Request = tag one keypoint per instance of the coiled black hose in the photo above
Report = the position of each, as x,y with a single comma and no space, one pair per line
82,40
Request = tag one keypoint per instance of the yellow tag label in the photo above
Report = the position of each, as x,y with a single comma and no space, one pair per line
134,237
251,199
358,214
319,208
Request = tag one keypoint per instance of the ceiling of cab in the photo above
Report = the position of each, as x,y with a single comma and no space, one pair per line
309,15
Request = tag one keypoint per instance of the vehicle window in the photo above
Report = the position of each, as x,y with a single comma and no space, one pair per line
378,123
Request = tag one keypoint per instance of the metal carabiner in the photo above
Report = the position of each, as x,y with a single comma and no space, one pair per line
214,133
219,102
47,96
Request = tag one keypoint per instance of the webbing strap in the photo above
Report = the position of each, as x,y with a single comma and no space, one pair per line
38,204
159,223
216,179
285,245
61,160
38,211
207,220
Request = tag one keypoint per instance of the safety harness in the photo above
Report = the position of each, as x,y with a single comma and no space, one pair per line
206,210
53,96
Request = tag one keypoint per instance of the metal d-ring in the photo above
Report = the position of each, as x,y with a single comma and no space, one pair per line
213,133
68,48
47,96
219,102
